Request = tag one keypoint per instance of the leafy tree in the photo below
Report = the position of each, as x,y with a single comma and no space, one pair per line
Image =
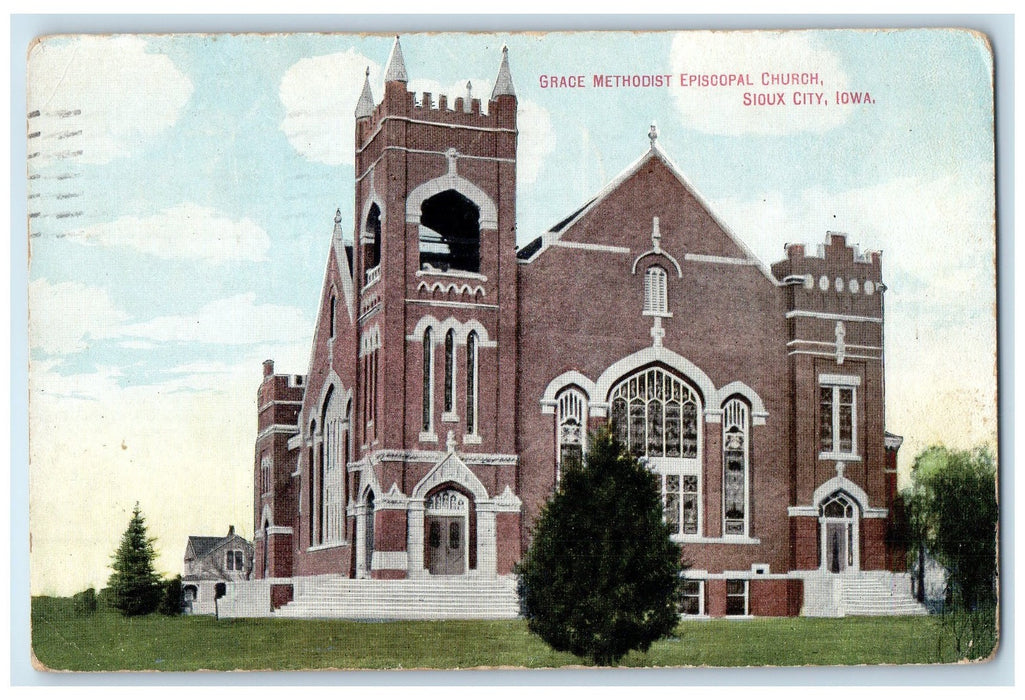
135,586
84,602
953,514
601,576
171,596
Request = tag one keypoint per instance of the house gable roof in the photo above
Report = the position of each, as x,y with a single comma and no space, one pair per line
537,246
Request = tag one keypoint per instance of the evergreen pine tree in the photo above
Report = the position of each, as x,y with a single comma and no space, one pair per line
134,585
601,576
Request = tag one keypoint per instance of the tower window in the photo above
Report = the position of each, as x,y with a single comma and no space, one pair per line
428,388
837,419
449,233
372,248
331,319
471,383
450,349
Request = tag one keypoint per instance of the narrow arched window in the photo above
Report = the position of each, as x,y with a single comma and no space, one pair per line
471,383
736,481
428,383
655,297
570,423
450,350
331,319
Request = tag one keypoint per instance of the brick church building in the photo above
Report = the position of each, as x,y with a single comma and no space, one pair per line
452,377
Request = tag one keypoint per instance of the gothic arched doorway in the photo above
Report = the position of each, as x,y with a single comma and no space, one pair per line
446,519
838,532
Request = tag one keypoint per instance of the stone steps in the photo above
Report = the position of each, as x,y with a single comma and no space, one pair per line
407,599
867,595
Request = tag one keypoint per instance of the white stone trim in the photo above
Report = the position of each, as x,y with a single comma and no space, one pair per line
277,428
439,329
388,560
421,151
453,304
758,412
490,459
548,400
427,437
328,545
279,402
833,344
450,468
833,354
452,181
453,273
697,257
839,380
723,539
597,247
832,317
446,287
635,361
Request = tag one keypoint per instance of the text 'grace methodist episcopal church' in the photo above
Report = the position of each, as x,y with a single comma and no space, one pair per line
452,377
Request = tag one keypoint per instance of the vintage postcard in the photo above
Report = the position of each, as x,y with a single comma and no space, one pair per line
512,350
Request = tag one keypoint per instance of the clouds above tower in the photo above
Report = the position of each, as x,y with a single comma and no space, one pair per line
187,231
100,98
319,94
721,110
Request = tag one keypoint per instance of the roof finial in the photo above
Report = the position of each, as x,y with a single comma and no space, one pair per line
338,216
504,83
653,134
396,70
469,96
365,106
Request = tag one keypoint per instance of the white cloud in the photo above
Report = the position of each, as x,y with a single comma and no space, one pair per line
236,320
319,122
320,95
187,231
108,88
720,110
63,316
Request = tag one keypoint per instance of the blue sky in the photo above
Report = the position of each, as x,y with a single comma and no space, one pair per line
186,242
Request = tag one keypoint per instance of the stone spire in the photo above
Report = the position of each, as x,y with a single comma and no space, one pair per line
365,106
504,83
396,70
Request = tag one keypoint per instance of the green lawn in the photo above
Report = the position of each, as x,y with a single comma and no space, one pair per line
105,641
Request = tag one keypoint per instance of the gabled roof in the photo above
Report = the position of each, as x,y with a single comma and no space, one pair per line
556,232
201,546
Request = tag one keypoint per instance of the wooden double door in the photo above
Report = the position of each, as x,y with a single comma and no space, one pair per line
446,545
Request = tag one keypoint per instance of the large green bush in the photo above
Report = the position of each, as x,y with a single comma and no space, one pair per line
601,576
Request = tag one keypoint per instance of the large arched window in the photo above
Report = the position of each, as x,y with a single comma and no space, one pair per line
571,419
449,233
471,383
655,414
736,481
655,294
428,380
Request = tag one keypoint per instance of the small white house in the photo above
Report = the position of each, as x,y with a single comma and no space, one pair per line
210,563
